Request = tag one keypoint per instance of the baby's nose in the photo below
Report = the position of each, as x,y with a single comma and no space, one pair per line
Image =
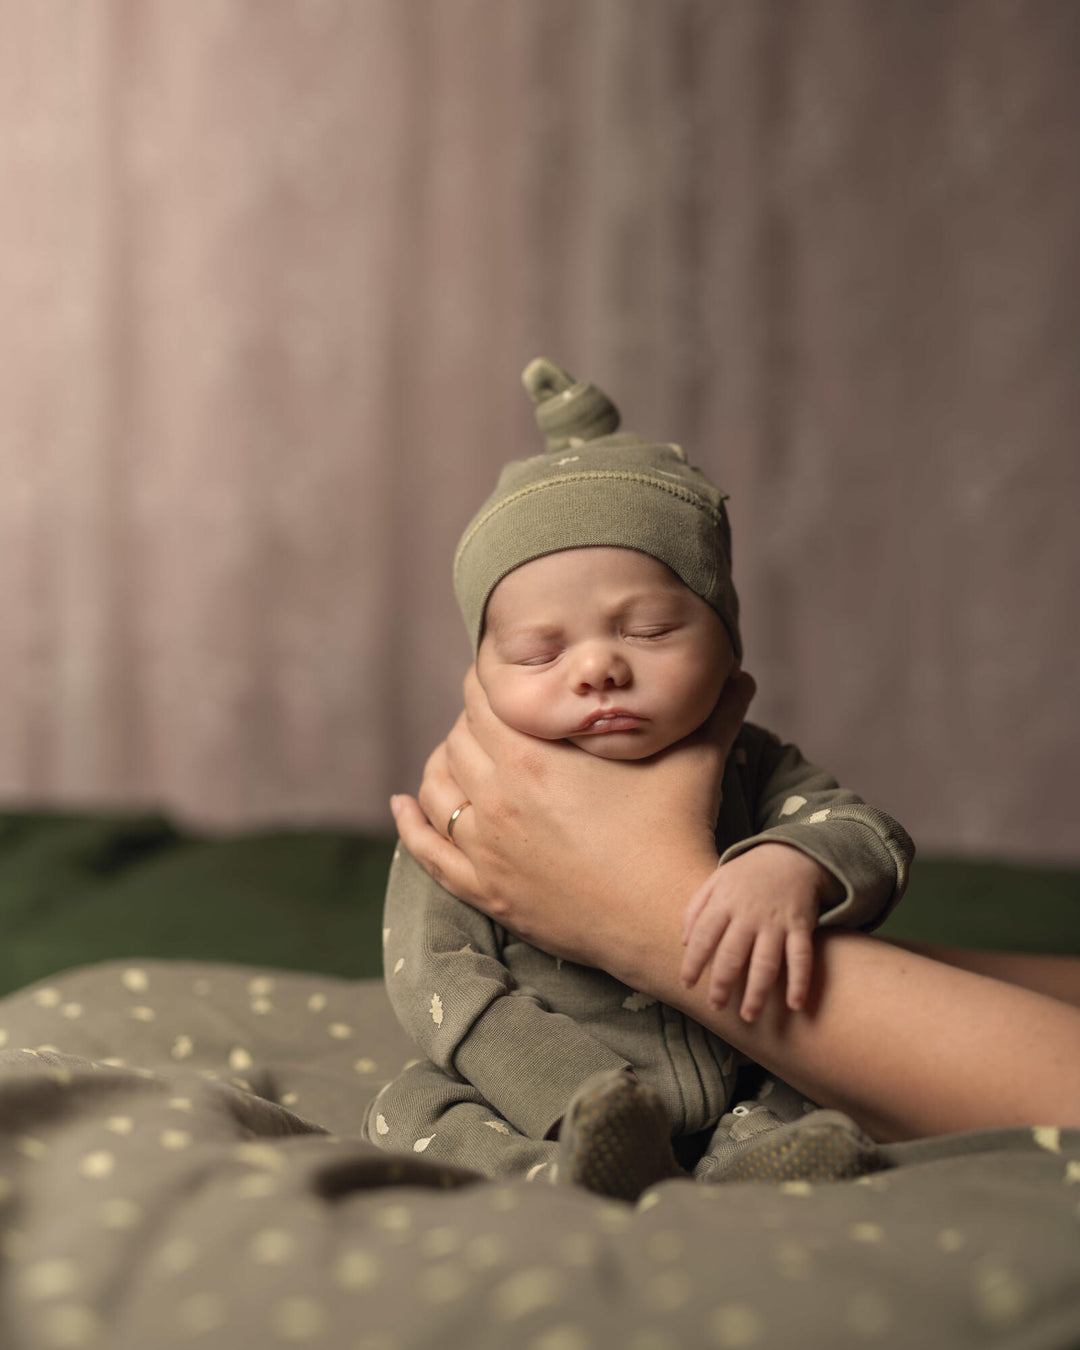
601,667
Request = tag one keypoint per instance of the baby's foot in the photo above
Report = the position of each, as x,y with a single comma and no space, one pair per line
616,1138
822,1146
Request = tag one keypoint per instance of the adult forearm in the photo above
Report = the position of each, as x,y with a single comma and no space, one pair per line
906,1045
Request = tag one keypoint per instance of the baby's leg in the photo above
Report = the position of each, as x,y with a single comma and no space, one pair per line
422,1111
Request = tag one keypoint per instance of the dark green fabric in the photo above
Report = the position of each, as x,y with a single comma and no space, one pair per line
997,906
82,887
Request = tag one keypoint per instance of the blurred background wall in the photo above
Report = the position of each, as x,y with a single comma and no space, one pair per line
269,270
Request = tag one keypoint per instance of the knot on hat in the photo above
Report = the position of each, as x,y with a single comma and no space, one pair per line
568,411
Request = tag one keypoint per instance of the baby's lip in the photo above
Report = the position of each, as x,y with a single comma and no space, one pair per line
609,719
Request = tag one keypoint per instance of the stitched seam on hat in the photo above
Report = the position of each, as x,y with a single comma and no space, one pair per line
621,475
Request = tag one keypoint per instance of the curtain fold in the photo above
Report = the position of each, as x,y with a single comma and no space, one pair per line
270,269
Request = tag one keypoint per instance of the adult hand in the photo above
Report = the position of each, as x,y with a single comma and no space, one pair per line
570,851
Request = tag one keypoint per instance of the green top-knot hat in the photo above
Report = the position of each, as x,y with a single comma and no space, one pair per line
596,486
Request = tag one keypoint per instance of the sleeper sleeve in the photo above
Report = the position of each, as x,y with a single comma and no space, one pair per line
794,802
462,1007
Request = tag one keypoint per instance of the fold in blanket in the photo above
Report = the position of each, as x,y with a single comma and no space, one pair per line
180,1166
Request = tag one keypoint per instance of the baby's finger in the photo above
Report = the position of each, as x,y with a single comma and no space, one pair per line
799,955
701,942
764,971
728,963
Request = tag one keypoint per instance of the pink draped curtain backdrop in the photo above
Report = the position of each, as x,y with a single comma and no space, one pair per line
269,270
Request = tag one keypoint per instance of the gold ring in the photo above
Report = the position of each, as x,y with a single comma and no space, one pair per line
453,819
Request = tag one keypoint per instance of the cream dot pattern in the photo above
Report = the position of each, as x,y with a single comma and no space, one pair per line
734,1325
1001,1295
256,1186
521,1260
525,1292
50,1279
98,1164
174,1140
1047,1137
357,1269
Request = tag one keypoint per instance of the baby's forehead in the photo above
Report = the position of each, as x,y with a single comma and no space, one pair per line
536,591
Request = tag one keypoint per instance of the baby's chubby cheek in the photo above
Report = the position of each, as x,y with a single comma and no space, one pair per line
515,702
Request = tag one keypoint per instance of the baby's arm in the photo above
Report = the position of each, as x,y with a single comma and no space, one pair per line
844,863
463,1009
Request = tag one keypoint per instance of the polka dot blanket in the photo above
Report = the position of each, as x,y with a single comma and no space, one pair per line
181,1166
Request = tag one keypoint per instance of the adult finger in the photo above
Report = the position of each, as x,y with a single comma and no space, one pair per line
443,861
481,720
764,971
799,956
726,719
440,790
473,738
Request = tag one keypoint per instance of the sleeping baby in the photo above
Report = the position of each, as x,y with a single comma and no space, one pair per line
596,586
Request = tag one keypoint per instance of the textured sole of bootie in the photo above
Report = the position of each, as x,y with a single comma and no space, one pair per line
823,1146
616,1138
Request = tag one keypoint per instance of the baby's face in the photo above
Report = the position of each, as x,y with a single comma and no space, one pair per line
604,647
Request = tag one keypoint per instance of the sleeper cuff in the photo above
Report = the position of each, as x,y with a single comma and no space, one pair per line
550,1054
869,863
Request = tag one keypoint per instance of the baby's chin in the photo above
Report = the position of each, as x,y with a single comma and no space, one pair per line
617,745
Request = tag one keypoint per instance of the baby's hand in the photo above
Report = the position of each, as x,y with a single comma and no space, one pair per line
758,911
